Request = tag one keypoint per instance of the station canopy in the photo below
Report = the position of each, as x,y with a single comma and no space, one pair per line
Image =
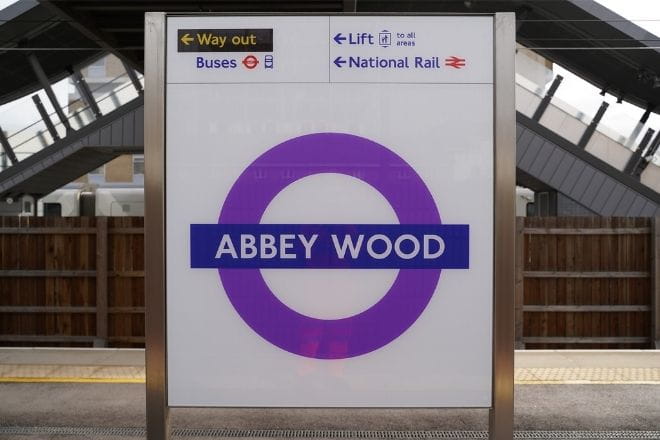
581,35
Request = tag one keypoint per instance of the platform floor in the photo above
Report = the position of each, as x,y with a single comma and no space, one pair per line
61,394
539,367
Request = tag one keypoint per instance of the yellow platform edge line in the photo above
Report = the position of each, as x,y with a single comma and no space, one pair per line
131,380
587,382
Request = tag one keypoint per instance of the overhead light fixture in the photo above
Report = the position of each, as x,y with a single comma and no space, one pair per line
619,100
602,92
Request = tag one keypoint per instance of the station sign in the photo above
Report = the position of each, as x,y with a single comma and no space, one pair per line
329,206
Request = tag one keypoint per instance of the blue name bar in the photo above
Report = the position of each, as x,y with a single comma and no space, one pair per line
332,246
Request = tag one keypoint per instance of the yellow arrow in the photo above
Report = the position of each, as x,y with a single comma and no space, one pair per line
186,39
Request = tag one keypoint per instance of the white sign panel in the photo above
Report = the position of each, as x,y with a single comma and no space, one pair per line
329,211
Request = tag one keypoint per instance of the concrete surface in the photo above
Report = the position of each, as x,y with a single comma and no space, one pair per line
557,407
538,407
72,356
587,358
523,358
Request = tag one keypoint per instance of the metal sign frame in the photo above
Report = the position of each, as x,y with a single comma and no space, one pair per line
501,410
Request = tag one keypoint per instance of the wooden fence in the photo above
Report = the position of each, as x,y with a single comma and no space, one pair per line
587,282
72,281
580,282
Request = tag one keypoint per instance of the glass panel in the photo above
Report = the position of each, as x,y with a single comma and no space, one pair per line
620,123
18,118
533,77
654,123
117,93
575,96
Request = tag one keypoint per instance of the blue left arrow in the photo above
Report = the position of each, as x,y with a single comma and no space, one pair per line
339,38
339,62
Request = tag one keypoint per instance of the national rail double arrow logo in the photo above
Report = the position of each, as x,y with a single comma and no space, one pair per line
455,62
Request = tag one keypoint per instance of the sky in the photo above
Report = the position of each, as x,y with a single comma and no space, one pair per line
644,13
5,3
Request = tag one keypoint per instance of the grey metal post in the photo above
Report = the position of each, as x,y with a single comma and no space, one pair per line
154,179
640,125
86,93
43,80
78,119
42,138
631,165
6,147
501,412
133,77
115,100
46,118
589,131
643,161
545,102
647,113
651,150
655,293
101,282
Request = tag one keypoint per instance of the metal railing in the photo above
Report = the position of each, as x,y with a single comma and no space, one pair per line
48,129
617,122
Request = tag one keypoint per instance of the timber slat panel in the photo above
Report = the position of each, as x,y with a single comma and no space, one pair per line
126,281
47,338
584,282
46,231
48,284
586,231
598,274
47,273
46,309
586,340
587,308
68,273
587,282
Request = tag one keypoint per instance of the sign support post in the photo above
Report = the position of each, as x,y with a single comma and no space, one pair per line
501,409
154,183
501,413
